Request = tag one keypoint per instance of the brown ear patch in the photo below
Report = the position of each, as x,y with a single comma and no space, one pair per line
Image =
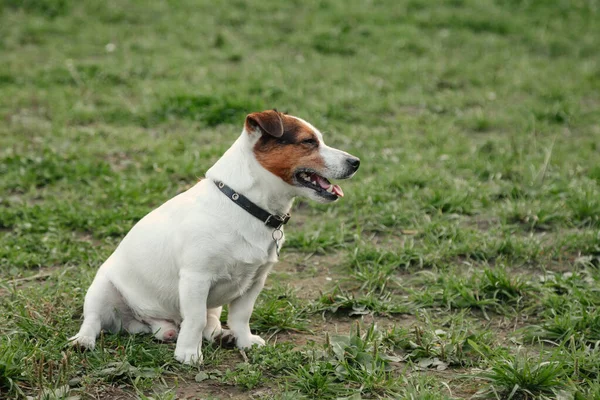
268,122
283,155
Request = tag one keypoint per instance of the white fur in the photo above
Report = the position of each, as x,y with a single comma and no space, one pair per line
198,251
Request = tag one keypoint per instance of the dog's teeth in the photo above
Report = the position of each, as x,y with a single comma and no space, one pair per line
330,189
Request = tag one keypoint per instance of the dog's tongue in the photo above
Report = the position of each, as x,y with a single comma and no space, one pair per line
325,184
338,190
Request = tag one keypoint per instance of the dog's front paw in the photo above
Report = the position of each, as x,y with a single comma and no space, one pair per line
83,342
190,356
246,342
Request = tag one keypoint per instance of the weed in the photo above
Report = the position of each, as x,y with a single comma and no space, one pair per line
358,358
277,358
339,300
11,369
439,344
489,288
524,376
423,387
575,322
245,375
317,381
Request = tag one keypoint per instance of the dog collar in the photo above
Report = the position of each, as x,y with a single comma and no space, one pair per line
273,220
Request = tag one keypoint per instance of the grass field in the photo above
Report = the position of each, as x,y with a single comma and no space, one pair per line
464,260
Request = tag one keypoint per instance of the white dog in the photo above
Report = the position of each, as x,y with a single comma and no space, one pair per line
215,243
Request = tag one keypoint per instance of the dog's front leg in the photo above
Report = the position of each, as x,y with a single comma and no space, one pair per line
240,311
193,294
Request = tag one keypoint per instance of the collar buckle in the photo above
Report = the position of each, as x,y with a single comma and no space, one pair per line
281,219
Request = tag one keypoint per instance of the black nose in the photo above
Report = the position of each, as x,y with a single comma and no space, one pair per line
353,162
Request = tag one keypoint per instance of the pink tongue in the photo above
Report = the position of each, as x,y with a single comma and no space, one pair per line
325,185
338,190
322,182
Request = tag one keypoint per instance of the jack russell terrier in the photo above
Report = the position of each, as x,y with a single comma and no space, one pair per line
215,243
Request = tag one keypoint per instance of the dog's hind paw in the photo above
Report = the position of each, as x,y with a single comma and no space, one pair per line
244,343
83,342
225,339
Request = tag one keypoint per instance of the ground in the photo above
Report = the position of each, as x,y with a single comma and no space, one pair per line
462,262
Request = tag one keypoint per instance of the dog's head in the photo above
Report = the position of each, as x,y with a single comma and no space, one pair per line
293,150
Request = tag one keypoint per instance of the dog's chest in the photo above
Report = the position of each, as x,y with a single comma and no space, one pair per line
236,280
245,264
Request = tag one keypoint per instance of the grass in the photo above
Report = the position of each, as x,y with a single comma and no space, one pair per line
466,248
524,377
442,343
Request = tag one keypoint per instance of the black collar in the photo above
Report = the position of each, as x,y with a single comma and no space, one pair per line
272,220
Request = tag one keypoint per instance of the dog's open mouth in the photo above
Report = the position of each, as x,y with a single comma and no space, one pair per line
319,184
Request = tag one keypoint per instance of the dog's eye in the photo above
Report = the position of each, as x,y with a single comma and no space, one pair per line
310,142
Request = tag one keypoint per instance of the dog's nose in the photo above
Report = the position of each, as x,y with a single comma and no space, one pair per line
353,162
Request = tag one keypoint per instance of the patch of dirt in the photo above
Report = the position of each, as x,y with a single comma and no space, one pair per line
110,393
309,275
301,214
185,386
482,222
390,241
87,237
505,327
43,274
210,389
119,161
457,387
16,196
321,327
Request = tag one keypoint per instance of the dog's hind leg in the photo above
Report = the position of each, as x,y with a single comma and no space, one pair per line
213,324
134,326
102,302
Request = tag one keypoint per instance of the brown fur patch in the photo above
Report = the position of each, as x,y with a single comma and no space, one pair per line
284,155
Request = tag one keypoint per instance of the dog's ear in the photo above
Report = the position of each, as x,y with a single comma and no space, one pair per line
268,122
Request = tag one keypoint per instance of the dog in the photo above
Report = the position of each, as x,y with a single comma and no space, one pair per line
215,243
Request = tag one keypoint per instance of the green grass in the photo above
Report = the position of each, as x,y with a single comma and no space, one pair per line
526,377
467,247
442,343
